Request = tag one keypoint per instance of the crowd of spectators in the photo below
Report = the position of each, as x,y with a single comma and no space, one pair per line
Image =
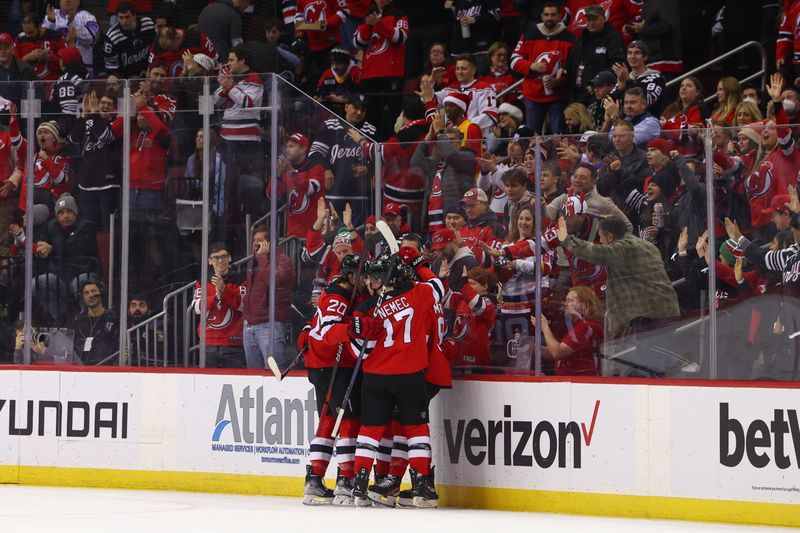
447,98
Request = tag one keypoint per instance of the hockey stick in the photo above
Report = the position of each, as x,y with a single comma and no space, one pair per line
339,351
276,370
393,248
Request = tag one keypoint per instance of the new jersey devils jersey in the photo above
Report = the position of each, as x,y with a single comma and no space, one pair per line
302,187
332,308
49,40
224,314
194,41
407,314
385,46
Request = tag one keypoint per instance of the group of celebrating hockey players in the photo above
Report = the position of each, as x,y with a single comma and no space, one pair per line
385,316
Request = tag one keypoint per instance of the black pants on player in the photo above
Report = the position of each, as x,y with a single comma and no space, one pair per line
321,377
381,394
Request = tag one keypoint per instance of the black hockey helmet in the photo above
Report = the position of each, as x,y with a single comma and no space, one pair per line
350,264
405,273
378,269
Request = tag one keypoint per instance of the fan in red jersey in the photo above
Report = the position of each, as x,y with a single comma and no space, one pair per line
171,44
383,36
329,257
223,306
577,352
302,182
39,47
52,175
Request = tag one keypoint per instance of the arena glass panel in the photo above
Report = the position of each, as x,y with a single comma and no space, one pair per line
20,339
325,160
654,294
756,255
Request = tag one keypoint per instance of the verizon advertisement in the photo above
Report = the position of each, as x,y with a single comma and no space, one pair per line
551,436
740,445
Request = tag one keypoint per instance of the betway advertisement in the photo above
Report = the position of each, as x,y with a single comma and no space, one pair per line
551,436
736,444
245,425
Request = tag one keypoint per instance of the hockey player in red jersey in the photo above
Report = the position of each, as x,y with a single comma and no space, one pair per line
395,360
392,457
325,337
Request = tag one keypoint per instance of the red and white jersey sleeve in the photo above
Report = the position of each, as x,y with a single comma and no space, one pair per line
323,344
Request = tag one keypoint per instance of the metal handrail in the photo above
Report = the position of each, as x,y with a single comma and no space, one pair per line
750,44
510,88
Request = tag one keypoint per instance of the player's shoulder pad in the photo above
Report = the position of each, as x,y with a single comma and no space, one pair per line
365,305
334,289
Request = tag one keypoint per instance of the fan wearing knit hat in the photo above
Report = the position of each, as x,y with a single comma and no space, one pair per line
52,174
750,144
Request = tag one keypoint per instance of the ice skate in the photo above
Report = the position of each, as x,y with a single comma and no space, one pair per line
385,491
315,492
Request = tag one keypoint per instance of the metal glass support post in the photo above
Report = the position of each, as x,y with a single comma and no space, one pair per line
31,111
712,246
127,111
537,334
205,110
378,151
273,208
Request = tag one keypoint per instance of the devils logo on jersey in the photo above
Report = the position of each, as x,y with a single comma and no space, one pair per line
314,12
551,59
461,326
217,318
586,271
436,189
298,203
759,182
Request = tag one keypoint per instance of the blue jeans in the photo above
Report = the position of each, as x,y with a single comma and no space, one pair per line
146,200
256,340
535,113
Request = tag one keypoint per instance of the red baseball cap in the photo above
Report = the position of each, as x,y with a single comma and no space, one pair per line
391,208
300,139
778,204
441,237
69,55
370,220
6,38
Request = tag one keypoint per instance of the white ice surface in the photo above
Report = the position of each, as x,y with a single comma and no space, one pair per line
63,510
